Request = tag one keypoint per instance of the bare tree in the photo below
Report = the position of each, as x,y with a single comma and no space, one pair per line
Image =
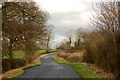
49,36
106,18
79,38
69,35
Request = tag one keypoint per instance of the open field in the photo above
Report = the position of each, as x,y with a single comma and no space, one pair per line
21,54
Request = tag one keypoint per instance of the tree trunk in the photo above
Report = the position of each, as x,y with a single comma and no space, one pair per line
118,41
47,47
78,43
10,50
48,43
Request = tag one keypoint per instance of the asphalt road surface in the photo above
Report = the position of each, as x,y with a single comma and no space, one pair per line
49,69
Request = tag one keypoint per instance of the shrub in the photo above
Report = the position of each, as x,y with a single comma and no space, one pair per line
8,64
13,63
101,51
20,62
5,65
70,57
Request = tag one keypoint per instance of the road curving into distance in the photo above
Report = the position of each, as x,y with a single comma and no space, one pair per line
49,69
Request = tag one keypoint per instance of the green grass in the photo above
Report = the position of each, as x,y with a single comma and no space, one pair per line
40,51
16,54
81,69
84,71
21,54
52,50
80,53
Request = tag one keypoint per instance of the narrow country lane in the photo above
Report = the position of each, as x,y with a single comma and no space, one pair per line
50,69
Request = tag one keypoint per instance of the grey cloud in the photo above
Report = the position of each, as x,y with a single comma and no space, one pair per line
60,28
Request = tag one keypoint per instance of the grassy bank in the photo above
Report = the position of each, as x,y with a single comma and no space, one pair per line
14,73
82,70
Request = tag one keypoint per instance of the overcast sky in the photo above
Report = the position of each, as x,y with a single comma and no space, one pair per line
67,14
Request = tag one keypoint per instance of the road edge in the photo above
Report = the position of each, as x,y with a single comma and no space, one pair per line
21,70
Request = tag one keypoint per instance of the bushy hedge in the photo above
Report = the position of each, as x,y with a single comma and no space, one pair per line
70,57
100,50
8,64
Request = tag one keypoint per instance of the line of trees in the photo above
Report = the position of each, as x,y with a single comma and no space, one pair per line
23,24
101,45
107,20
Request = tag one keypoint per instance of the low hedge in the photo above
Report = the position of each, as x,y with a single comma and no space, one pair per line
70,57
8,64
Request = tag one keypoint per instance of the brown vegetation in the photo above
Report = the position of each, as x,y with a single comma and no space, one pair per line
101,45
23,24
8,64
70,57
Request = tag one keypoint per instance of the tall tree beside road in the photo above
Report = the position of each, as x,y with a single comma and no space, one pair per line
107,20
22,23
49,36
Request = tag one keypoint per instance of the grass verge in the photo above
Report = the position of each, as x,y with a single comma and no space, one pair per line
82,70
15,73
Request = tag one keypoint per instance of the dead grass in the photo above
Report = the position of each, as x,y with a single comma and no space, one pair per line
59,59
70,57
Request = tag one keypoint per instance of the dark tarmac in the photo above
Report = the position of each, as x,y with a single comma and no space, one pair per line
49,69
